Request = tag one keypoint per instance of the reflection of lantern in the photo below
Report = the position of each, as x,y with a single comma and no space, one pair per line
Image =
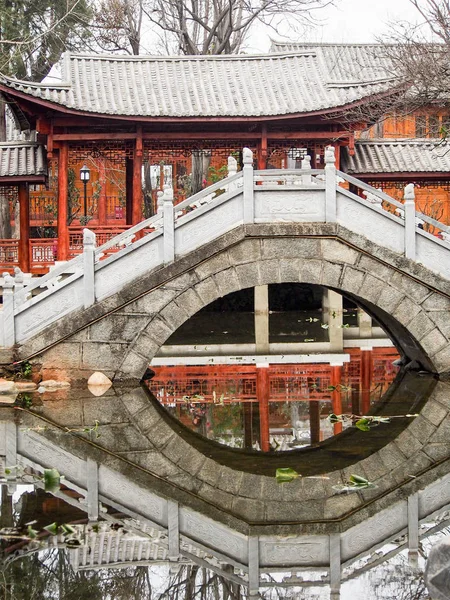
85,175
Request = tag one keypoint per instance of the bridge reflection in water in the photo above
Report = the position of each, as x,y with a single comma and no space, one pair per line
274,406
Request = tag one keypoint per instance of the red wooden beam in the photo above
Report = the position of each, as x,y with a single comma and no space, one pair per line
336,397
263,393
366,380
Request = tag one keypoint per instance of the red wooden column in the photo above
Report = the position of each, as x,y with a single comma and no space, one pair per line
262,149
102,197
137,179
24,242
366,379
314,421
336,398
129,191
263,393
63,192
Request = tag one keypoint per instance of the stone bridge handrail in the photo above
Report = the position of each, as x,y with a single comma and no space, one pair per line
303,195
368,188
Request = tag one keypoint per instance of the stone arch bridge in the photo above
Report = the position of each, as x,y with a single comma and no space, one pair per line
112,311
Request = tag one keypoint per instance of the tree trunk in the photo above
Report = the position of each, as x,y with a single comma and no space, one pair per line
200,164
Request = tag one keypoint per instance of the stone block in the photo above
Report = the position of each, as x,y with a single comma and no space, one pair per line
271,489
174,315
192,461
331,274
421,429
374,267
414,465
145,346
442,320
441,435
441,393
216,497
371,288
434,412
311,271
373,467
155,463
437,450
251,486
408,444
248,275
269,271
207,290
209,472
441,360
227,281
135,401
184,281
229,480
152,302
389,299
406,311
121,438
160,436
290,248
99,356
391,456
176,446
213,265
158,330
310,510
248,509
104,410
436,302
133,366
341,504
246,251
433,341
337,252
185,481
352,280
303,489
148,419
65,355
414,290
117,327
290,269
420,326
190,301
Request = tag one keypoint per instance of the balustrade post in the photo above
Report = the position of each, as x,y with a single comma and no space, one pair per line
306,166
9,335
18,279
232,170
247,173
168,225
88,267
330,185
410,222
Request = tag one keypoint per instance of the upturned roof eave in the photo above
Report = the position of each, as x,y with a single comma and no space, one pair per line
332,110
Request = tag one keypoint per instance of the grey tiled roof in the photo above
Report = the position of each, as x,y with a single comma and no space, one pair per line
22,159
396,156
208,86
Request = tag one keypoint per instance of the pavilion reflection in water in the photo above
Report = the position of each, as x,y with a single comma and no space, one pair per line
277,404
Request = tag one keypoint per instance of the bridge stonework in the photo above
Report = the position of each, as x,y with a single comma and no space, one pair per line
121,334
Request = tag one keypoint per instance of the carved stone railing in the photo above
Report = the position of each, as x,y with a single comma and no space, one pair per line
247,197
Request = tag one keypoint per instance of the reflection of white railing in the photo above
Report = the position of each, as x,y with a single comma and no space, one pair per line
245,197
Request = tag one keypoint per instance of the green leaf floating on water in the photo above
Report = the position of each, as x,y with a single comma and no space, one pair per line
286,474
335,418
53,528
359,481
363,424
52,480
31,533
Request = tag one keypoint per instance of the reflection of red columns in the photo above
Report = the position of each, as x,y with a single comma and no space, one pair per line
63,193
24,242
248,438
336,398
366,379
314,421
102,197
262,393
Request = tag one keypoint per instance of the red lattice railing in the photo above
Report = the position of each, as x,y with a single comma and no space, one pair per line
9,253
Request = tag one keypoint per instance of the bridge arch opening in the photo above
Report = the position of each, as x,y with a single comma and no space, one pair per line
265,367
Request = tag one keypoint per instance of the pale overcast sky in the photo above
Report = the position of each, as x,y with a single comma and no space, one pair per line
351,21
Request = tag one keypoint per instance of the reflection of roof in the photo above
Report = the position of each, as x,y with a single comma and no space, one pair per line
398,156
201,86
22,160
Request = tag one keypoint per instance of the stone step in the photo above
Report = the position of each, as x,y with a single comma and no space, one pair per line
6,356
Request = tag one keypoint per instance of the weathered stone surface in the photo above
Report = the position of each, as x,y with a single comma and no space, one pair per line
421,428
433,341
145,346
100,357
207,290
436,302
52,383
331,274
213,265
158,330
414,290
336,252
420,326
247,251
290,248
406,311
269,271
434,412
437,575
122,328
408,443
229,480
375,267
389,299
248,275
133,367
190,300
371,288
153,302
218,497
311,271
23,386
290,269
341,504
352,280
174,315
227,281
